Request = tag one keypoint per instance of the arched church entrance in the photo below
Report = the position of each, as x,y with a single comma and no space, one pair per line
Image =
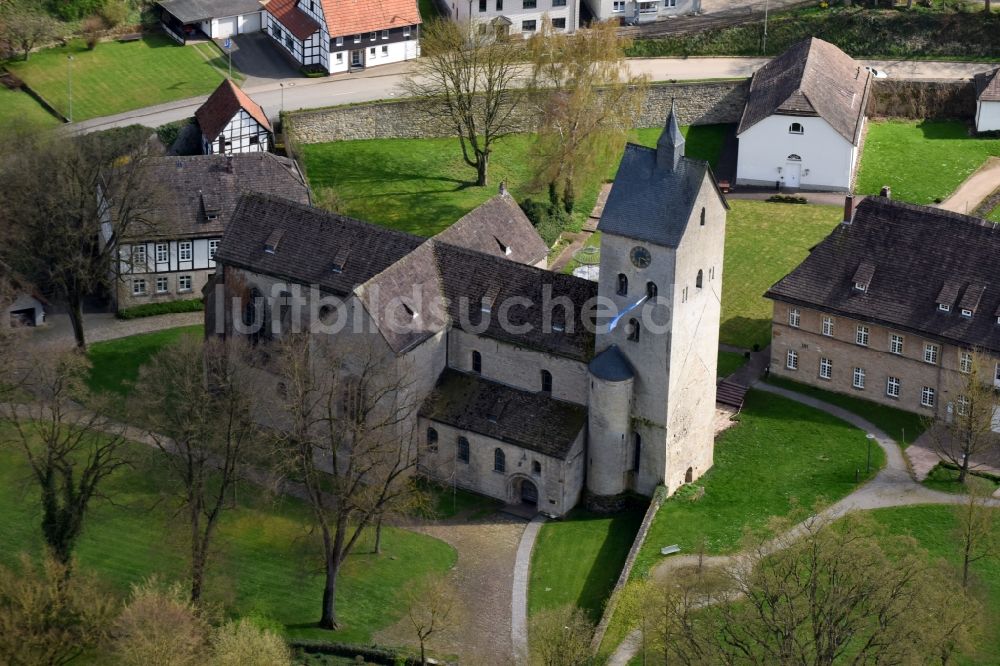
529,493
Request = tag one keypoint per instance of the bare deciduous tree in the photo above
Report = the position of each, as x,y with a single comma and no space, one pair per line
70,451
66,202
586,101
968,430
976,527
432,608
347,437
195,397
468,79
25,24
561,637
48,618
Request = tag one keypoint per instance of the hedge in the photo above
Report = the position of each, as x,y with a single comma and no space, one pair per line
165,307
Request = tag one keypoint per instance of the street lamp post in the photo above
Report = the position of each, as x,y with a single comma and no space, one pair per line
870,437
69,84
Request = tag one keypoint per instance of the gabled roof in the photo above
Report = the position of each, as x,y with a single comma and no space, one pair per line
498,227
294,20
534,421
222,105
812,78
197,195
988,86
351,17
193,11
921,256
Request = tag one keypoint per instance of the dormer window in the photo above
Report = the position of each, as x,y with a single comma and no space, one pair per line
947,296
271,244
796,128
966,313
860,286
339,261
944,307
970,299
490,299
863,276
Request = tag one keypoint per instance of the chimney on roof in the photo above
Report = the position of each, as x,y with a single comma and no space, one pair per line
670,147
886,192
503,187
848,209
229,163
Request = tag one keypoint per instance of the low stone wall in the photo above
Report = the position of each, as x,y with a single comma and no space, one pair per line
924,99
698,103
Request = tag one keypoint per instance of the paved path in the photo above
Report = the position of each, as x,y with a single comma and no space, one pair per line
981,184
519,597
99,326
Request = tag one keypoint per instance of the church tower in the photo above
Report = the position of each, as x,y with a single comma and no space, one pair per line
652,389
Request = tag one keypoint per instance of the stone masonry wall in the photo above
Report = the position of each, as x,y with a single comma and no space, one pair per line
704,103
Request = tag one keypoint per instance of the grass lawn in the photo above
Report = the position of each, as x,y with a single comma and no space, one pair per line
422,185
764,241
779,453
934,527
578,560
923,162
266,562
902,426
729,362
945,478
994,215
116,363
19,108
595,242
117,77
448,502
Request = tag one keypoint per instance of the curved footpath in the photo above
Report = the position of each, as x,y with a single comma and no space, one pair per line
519,597
892,486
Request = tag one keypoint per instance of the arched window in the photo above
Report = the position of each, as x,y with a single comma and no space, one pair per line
622,284
546,381
432,440
796,128
536,467
633,330
689,475
794,158
651,290
254,315
463,450
477,362
636,451
698,280
499,461
702,216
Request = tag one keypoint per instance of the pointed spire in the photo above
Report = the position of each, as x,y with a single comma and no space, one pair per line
670,147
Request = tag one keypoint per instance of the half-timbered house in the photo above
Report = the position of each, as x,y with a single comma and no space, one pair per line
231,122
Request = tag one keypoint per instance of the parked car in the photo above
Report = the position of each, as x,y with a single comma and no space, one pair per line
877,73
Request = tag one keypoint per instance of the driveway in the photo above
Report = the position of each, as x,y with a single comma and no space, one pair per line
259,58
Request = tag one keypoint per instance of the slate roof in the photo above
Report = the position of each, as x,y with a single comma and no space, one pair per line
498,227
988,86
534,421
312,242
611,365
222,105
351,17
920,255
811,78
292,18
192,11
189,188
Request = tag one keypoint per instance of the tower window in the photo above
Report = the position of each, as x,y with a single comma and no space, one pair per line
432,440
698,280
463,449
622,284
796,128
633,330
546,381
636,451
651,290
499,461
536,467
477,362
702,216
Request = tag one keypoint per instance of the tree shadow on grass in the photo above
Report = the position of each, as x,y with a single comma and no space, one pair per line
610,559
944,130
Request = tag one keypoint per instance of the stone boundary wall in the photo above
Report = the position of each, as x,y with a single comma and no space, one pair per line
659,496
923,99
698,103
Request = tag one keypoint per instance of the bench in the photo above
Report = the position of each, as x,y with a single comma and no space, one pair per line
670,550
132,37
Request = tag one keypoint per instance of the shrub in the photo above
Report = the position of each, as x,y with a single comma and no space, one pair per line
114,12
548,219
74,10
786,198
92,27
165,307
169,132
313,71
243,643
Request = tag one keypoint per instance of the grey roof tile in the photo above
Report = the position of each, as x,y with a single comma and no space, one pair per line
611,365
988,86
498,227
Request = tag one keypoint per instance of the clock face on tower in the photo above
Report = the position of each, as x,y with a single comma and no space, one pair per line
640,257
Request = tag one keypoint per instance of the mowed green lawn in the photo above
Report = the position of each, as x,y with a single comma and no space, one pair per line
780,453
934,529
267,562
923,162
422,186
117,77
729,362
116,363
577,560
19,109
764,242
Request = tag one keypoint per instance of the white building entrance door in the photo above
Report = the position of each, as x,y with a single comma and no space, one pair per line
357,58
793,174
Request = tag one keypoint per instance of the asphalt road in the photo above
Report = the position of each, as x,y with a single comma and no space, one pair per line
384,83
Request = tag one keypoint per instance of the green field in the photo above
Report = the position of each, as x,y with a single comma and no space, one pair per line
268,562
577,560
422,185
729,362
19,109
116,363
780,453
764,241
901,425
923,162
117,77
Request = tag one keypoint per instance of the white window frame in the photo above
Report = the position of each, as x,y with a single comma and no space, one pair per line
931,351
357,38
859,378
162,284
828,326
861,338
965,362
962,405
927,396
385,51
406,32
213,248
139,255
162,250
372,36
339,41
892,385
944,307
185,251
340,56
385,34
792,360
825,368
618,6
896,344
139,287
966,313
794,318
181,279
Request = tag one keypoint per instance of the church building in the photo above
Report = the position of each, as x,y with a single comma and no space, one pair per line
533,387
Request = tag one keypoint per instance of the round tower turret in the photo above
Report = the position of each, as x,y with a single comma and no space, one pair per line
609,416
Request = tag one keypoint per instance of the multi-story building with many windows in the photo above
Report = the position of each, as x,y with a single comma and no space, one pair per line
516,17
641,11
891,307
